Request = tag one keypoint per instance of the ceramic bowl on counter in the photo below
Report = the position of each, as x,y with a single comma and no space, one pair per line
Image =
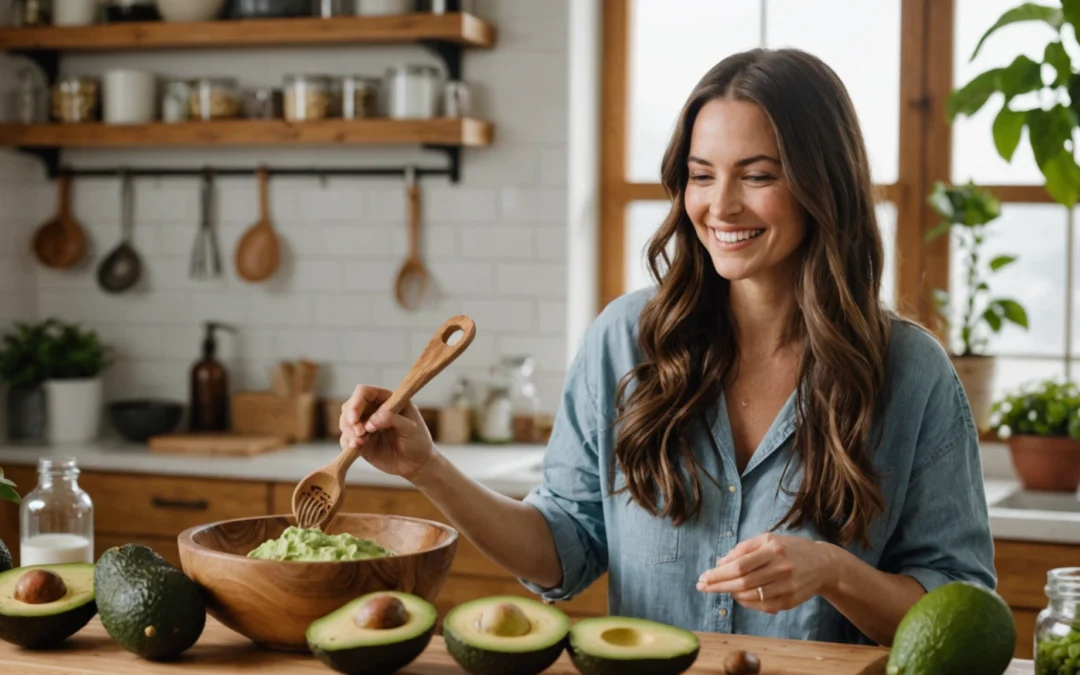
190,10
273,602
137,420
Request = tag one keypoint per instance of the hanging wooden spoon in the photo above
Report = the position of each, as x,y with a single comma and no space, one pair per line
60,242
258,252
121,269
413,280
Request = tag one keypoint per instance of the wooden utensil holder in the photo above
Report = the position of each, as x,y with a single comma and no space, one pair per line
263,412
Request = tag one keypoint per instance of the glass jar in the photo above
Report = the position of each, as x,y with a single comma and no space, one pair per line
356,97
1057,628
413,92
33,13
176,101
215,98
496,414
56,520
76,99
524,398
263,103
307,97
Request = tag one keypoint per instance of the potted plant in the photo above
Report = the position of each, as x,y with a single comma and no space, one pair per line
7,493
967,210
1041,424
22,369
74,361
1051,116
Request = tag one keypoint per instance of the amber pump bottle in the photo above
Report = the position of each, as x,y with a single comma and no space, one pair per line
210,385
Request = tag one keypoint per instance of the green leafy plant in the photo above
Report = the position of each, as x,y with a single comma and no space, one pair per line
7,489
51,349
1050,122
967,210
1046,408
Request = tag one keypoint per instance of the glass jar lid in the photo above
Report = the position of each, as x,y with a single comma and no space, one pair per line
1063,583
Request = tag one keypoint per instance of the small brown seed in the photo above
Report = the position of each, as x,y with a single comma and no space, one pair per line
39,586
382,612
742,663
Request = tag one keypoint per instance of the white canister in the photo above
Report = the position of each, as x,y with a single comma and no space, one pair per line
129,96
381,7
413,92
73,410
75,12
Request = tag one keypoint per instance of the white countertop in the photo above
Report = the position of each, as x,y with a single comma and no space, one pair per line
513,470
503,468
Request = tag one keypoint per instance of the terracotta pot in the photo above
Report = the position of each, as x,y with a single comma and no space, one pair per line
1045,463
976,373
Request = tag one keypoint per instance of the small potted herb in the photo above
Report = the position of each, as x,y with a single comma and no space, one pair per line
74,360
22,370
1041,424
966,211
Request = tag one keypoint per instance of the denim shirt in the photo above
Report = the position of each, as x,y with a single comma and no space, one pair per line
935,527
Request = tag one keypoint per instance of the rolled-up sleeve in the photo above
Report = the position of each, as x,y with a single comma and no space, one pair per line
943,532
570,495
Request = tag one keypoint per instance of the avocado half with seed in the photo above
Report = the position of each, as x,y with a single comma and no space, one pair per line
374,634
42,605
505,634
613,645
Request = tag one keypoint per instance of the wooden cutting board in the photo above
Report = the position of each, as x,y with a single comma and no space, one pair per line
239,445
220,650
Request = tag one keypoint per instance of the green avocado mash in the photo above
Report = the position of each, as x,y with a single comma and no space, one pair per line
314,545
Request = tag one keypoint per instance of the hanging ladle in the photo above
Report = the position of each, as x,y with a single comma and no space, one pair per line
257,253
120,270
61,242
413,280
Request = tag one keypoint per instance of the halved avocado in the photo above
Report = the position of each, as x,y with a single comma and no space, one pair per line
505,634
612,645
374,634
42,605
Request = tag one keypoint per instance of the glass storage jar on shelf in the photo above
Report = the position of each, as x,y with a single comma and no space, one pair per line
76,99
215,98
56,520
495,416
176,100
1057,627
307,97
356,97
524,398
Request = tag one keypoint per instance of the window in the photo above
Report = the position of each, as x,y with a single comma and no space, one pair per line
899,60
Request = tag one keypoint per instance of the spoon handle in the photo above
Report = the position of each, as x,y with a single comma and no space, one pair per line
264,198
413,192
438,354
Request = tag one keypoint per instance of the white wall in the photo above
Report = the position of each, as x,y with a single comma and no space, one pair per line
496,243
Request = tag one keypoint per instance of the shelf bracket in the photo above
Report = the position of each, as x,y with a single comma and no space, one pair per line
449,53
453,156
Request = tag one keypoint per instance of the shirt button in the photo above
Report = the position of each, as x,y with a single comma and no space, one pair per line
731,488
730,533
722,612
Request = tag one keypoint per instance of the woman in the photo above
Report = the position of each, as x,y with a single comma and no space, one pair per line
756,446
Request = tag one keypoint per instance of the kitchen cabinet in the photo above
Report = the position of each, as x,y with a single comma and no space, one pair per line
1021,569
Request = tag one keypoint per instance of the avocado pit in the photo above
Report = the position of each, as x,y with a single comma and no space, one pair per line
504,619
40,586
382,612
742,663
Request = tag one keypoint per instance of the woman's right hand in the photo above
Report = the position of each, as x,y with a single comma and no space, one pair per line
398,444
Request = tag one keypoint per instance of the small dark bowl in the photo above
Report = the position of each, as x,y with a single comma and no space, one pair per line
139,419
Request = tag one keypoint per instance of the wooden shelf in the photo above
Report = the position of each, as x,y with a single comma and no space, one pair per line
457,28
443,131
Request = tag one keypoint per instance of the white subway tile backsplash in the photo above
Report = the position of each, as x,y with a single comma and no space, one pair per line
549,243
533,206
315,345
554,167
370,275
549,352
313,274
232,307
552,316
437,242
458,205
338,201
362,346
281,310
543,280
356,241
499,243
498,315
458,279
429,317
343,309
342,379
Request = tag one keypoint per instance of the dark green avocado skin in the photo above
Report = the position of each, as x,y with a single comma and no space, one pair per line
486,662
43,632
5,557
587,664
148,606
374,659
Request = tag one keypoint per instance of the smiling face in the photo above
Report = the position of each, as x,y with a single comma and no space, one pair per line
738,197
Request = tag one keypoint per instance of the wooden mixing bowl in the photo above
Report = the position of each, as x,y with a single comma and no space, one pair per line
273,602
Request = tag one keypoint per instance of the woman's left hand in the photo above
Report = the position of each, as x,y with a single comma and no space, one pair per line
771,573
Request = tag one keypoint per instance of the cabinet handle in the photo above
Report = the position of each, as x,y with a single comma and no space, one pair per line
193,505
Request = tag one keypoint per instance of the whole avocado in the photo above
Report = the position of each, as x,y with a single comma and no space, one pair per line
148,606
5,557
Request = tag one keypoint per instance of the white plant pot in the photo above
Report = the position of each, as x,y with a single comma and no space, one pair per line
976,373
73,410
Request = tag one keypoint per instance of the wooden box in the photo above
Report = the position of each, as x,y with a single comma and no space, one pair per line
295,416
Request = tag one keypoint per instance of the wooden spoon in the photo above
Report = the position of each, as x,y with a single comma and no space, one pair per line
60,242
413,280
257,253
318,497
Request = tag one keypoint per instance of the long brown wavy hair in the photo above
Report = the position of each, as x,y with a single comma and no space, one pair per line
687,335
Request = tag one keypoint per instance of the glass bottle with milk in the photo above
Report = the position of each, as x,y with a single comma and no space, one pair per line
56,519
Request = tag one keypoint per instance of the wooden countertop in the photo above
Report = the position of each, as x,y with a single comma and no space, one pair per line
220,650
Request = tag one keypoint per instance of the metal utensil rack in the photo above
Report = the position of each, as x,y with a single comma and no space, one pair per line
233,171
